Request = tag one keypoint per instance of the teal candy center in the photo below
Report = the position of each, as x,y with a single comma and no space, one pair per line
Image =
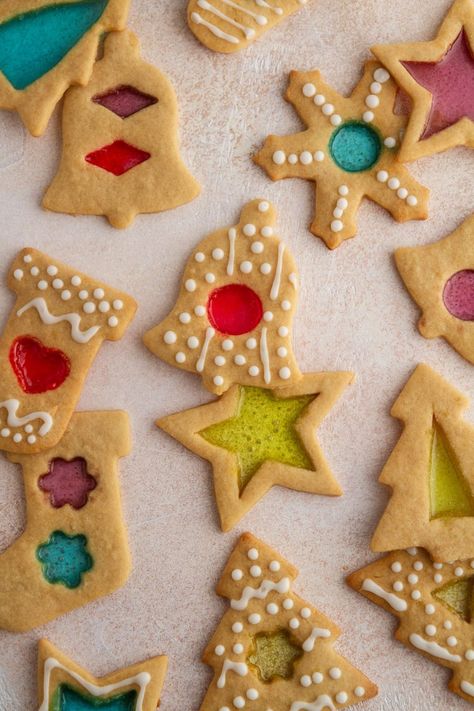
68,699
33,43
64,559
355,147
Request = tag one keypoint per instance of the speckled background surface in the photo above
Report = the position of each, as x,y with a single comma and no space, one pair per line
354,314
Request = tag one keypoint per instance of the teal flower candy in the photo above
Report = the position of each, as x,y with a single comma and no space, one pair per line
64,559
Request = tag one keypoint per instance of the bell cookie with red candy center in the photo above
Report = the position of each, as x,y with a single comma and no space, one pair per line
57,325
233,318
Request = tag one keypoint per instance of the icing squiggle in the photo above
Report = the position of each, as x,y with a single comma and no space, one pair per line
239,668
12,406
322,702
316,633
393,600
260,593
205,5
142,680
433,648
49,319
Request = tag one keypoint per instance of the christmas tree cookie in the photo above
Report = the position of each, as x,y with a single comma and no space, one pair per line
64,686
74,548
272,650
350,150
120,145
233,317
46,47
438,76
256,438
440,278
228,26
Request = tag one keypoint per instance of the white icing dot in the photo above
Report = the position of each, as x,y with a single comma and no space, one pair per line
375,87
246,267
288,604
393,183
251,343
5,432
17,437
279,157
252,694
255,571
239,702
319,156
438,566
274,566
283,331
359,691
180,357
113,321
257,247
254,370
193,342
284,373
458,572
27,258
249,230
117,304
336,120
336,226
368,116
306,158
254,618
237,627
381,75
418,565
237,574
447,624
305,613
472,563
469,654
199,257
337,212
372,101
99,293
83,294
412,551
430,630
305,680
317,677
294,623
240,360
18,274
210,278
342,203
52,270
57,283
343,190
263,206
452,641
282,352
89,307
266,231
238,648
390,142
31,439
170,337
438,577
42,285
396,567
190,285
397,586
319,99
272,608
185,317
66,295
430,609
200,310
104,307
252,554
286,305
76,280
412,201
416,595
29,429
335,673
218,380
34,271
266,268
382,176
219,650
224,708
218,254
341,697
227,345
402,193
268,316
309,90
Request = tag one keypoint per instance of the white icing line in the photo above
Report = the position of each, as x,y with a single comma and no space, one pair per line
210,333
259,19
277,280
322,702
205,5
196,17
230,264
433,648
142,680
264,355
239,668
316,633
393,600
467,687
49,319
12,406
260,593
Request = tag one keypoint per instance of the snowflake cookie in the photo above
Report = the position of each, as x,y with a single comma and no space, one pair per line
232,321
230,25
430,472
257,438
65,686
433,602
438,76
57,325
66,557
127,161
271,648
440,278
46,47
349,150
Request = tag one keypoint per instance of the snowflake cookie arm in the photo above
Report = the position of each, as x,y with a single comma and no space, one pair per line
395,190
291,156
316,102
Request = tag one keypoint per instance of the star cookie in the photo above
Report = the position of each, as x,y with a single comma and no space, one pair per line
430,472
233,318
434,603
440,278
271,648
64,685
256,438
45,48
438,76
230,25
350,150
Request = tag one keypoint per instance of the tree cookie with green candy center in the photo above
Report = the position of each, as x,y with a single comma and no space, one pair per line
127,160
74,547
65,686
434,604
271,648
230,25
440,279
438,76
58,323
350,150
47,47
233,318
430,472
256,438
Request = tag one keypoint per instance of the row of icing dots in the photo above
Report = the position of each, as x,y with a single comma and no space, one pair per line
14,422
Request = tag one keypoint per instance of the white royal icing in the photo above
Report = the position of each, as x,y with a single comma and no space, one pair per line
316,633
239,668
393,600
50,319
260,593
321,703
433,648
12,406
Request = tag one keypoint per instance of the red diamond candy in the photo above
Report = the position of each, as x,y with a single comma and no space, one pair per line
118,157
124,101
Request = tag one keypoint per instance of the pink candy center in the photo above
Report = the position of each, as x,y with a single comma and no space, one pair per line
458,295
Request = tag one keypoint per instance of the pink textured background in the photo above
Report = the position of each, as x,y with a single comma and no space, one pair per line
353,314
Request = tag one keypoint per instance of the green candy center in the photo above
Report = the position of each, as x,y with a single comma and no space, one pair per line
355,147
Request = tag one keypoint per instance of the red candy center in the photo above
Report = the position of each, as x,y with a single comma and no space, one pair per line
37,367
458,295
234,309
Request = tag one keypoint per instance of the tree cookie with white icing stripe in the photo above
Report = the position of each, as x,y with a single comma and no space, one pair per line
350,150
230,25
272,650
434,604
64,686
233,318
58,323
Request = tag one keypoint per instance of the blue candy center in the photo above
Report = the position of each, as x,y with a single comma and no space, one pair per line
68,699
355,147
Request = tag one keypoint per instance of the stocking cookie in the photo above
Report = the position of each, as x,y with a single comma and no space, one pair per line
430,471
438,76
128,160
256,438
433,602
271,648
225,26
349,150
65,686
46,47
54,331
440,278
74,547
232,321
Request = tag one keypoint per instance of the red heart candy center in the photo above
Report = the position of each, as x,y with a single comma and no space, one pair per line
37,367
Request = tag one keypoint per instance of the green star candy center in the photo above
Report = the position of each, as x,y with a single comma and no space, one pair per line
263,429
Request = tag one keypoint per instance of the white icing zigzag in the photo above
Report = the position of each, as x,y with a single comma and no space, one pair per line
12,408
260,593
49,319
321,703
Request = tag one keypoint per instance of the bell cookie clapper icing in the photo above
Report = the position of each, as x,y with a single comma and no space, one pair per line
74,547
232,322
438,77
350,150
273,650
231,25
58,323
46,47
